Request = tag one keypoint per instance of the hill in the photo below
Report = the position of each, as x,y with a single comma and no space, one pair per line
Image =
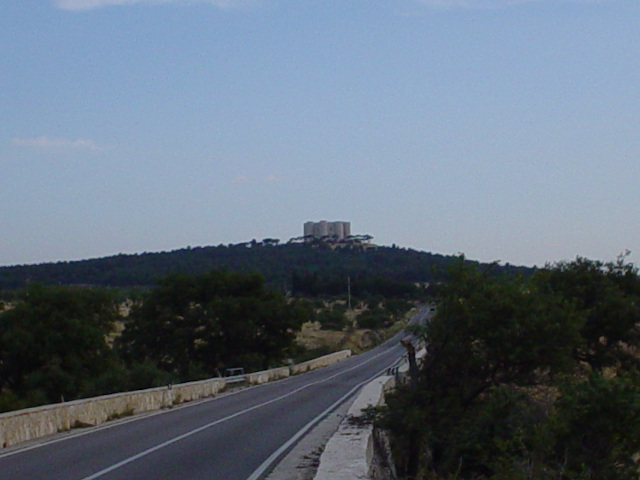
283,266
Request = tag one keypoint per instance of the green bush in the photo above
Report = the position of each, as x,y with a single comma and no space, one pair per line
334,319
374,319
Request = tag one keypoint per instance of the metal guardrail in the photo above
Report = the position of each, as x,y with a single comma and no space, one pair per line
235,375
393,370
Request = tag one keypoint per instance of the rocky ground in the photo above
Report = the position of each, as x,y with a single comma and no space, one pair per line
312,337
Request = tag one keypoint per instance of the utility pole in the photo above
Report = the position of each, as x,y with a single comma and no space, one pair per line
349,292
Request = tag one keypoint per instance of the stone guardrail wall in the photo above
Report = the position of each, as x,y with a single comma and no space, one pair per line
32,423
358,451
351,452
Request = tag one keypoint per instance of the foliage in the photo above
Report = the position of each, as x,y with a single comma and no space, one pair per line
360,285
382,313
608,299
193,326
332,318
374,318
53,344
397,308
301,354
55,341
502,392
596,425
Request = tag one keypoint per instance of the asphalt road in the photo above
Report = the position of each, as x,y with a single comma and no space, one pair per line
236,436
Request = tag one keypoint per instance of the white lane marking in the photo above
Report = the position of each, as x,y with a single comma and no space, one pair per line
217,422
269,462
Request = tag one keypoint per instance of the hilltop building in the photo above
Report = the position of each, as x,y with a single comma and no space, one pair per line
327,230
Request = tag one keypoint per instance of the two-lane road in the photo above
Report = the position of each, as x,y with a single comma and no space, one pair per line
237,436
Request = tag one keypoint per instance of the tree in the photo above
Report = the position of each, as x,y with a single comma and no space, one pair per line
512,386
489,333
332,318
607,296
596,424
374,318
53,343
195,325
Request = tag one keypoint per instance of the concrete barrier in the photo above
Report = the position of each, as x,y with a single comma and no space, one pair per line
319,362
187,392
265,376
350,453
357,450
32,423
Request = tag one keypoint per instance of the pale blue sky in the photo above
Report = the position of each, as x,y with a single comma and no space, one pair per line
507,130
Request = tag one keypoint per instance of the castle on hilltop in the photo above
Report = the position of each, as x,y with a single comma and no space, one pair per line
323,230
333,235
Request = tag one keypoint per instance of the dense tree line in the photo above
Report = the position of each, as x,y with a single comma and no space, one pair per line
276,263
58,343
531,378
360,285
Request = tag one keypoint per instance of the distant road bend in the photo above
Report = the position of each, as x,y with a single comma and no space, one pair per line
238,436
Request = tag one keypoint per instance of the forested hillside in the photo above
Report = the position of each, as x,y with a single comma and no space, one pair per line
281,265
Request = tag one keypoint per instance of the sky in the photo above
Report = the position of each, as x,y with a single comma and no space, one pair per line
506,130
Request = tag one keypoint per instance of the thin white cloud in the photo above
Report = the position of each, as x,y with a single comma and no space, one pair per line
57,143
472,3
271,178
490,4
92,4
